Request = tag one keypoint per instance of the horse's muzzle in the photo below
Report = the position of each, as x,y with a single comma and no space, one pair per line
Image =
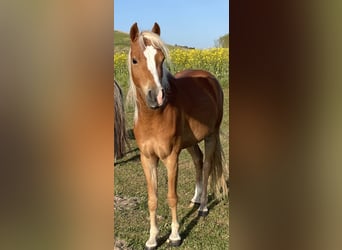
155,99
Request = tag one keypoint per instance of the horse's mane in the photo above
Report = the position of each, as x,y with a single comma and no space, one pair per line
158,44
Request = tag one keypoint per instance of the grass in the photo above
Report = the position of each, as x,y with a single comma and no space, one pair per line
121,41
131,222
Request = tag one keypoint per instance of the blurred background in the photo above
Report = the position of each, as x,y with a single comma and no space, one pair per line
57,124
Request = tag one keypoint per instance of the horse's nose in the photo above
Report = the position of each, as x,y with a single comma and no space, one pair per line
155,98
151,99
160,97
150,94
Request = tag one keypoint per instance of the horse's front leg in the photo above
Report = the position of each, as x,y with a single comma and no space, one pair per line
171,164
150,169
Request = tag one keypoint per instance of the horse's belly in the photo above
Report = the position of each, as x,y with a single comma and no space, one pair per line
195,132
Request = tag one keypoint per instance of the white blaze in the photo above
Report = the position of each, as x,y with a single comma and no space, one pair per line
150,53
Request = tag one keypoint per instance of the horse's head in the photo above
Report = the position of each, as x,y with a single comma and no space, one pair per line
146,58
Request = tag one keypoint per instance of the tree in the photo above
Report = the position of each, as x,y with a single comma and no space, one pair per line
222,42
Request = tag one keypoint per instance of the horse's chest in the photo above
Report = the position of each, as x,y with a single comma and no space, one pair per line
154,143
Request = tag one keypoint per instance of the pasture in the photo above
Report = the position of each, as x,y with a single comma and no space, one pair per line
131,222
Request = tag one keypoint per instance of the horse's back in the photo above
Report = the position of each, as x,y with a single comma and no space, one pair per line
198,80
193,73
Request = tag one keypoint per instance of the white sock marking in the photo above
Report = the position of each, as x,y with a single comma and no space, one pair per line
198,193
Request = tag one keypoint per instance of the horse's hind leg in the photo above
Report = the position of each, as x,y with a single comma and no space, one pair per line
210,147
197,158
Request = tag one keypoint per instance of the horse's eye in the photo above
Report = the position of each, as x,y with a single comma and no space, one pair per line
134,61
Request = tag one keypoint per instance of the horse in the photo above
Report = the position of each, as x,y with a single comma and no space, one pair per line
120,136
174,113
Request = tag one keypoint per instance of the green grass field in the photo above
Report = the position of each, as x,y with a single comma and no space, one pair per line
131,222
121,41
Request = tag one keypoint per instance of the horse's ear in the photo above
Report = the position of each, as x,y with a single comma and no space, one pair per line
156,29
134,32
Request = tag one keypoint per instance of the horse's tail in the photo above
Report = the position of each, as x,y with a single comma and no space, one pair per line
120,136
219,172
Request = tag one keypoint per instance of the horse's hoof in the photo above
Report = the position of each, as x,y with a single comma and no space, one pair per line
194,204
203,213
175,243
150,248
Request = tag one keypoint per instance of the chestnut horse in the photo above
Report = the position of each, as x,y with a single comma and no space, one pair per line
173,113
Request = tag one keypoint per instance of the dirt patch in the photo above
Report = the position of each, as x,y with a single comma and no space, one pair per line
121,245
125,203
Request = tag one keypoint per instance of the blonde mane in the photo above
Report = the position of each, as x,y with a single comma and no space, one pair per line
156,43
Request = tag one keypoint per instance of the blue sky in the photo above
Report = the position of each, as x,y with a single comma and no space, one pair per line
194,23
